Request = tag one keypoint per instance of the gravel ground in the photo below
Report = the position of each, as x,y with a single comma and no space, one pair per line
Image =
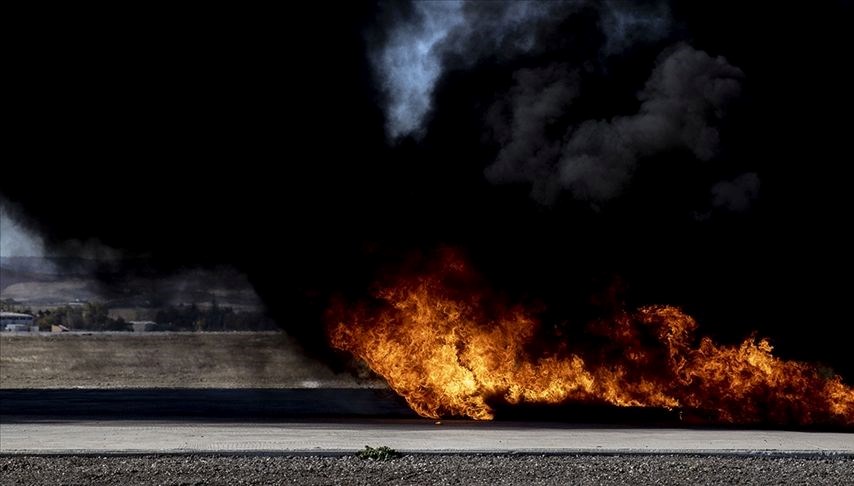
426,469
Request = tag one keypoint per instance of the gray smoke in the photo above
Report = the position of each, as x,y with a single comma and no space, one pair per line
539,97
416,48
687,92
737,194
19,237
409,63
593,160
16,239
627,23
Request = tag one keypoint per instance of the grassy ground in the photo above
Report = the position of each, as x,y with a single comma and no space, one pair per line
127,360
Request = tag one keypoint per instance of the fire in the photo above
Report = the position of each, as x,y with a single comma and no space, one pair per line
450,349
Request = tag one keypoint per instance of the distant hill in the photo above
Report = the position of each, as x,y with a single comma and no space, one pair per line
49,266
34,270
120,283
15,270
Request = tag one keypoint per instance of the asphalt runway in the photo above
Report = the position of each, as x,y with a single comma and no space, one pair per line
410,436
202,403
336,421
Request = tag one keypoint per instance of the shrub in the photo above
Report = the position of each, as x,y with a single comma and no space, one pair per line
382,453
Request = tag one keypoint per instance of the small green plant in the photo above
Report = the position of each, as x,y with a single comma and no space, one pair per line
382,453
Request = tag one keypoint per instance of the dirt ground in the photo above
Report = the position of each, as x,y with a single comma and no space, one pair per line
162,360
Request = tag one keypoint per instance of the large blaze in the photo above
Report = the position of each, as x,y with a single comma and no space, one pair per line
451,349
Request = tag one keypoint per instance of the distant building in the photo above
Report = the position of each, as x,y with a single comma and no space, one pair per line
59,328
16,322
143,326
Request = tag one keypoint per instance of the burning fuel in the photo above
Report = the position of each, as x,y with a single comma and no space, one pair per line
451,348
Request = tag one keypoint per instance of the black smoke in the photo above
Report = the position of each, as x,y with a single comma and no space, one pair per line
595,159
261,140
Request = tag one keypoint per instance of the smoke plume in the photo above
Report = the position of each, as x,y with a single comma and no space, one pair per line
629,23
15,238
20,237
737,194
419,45
542,140
594,159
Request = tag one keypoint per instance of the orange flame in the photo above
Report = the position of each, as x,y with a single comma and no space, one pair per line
450,350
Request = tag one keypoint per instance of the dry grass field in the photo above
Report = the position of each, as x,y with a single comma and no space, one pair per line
162,360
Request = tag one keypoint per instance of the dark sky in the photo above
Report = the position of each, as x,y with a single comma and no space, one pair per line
697,153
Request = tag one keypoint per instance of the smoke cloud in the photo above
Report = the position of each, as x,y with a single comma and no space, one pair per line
418,48
539,97
542,141
738,194
686,93
19,239
409,63
16,240
628,23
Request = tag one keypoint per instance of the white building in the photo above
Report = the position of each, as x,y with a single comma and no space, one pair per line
143,326
13,321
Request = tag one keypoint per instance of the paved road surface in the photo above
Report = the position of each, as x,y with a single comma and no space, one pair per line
202,403
403,435
334,421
